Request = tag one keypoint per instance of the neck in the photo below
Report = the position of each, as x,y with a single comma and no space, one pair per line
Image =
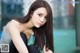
27,26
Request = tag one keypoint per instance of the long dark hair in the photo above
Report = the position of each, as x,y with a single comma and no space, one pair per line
44,34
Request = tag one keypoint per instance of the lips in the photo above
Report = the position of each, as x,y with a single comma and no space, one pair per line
40,24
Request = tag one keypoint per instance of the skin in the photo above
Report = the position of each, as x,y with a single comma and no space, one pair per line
37,20
46,50
39,17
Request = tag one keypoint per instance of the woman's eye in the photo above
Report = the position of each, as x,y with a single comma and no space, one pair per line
40,15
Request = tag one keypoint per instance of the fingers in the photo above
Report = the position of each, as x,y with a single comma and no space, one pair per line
46,50
49,51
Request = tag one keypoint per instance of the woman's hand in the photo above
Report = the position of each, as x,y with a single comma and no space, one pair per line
46,50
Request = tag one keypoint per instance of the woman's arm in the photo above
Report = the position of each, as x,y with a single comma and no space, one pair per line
14,31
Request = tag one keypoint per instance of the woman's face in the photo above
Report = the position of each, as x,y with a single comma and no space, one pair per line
38,18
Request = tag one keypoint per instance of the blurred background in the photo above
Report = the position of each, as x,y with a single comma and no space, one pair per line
66,21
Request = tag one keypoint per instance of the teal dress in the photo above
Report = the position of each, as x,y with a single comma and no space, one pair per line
31,41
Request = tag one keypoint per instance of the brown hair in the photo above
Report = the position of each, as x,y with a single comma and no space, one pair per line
44,34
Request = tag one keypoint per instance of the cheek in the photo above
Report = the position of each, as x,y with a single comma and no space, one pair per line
34,19
45,21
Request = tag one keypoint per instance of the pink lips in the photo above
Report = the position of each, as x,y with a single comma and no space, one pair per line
40,24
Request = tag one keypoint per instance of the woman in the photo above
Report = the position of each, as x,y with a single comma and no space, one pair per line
36,26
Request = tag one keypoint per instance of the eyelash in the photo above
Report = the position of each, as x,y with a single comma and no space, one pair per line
40,14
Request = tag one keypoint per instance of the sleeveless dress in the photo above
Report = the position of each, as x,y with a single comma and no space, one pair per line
6,39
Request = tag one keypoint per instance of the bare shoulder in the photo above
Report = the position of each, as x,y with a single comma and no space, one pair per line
12,25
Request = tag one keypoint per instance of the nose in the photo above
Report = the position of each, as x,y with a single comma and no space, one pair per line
42,20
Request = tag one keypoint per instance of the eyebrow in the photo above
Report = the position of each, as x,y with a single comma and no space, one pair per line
41,13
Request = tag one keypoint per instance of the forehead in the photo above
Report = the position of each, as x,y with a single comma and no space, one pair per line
41,10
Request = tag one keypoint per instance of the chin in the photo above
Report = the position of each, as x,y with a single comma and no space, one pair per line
37,26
